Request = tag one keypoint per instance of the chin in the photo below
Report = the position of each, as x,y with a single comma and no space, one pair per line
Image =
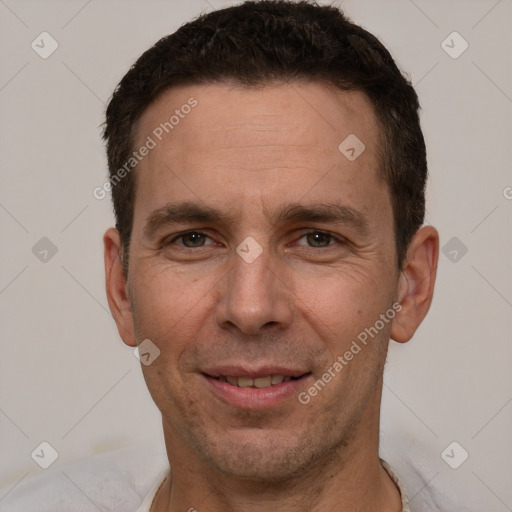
265,456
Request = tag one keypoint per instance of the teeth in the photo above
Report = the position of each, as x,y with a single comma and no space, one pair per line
232,380
277,379
259,382
244,382
263,382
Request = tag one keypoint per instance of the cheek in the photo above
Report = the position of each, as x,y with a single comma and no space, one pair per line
339,311
167,306
341,303
169,311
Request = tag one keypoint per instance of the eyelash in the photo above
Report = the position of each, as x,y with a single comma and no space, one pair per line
334,238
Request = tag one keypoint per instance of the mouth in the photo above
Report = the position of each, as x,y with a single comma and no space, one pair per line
263,382
243,389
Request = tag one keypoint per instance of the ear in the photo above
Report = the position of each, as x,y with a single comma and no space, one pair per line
117,287
416,283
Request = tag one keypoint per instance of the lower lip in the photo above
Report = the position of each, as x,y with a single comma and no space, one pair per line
254,398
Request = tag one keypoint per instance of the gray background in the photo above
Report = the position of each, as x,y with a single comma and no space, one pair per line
65,376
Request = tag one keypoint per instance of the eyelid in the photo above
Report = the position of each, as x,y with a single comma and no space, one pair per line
176,236
335,237
306,231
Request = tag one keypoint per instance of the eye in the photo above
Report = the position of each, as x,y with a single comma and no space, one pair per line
318,239
192,239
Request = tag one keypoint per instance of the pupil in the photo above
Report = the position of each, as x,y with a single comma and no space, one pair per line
193,239
319,239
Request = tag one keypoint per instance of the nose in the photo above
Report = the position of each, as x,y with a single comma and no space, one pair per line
254,297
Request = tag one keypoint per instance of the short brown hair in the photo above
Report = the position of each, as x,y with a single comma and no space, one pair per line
265,41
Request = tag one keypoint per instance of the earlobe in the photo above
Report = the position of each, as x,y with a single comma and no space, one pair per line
416,283
117,287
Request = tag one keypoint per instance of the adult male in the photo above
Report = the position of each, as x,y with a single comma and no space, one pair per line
276,218
275,221
268,172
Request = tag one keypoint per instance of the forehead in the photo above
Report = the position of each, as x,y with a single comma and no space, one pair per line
276,142
309,113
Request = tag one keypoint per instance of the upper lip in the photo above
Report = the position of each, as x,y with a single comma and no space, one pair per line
252,372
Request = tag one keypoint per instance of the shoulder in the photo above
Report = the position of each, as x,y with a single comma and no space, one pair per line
118,480
429,482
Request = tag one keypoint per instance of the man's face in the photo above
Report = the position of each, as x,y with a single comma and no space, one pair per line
265,164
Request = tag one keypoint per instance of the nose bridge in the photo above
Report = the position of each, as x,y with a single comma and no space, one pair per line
247,278
254,297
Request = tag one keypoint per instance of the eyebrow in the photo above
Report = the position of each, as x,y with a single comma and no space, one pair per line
190,212
186,212
333,213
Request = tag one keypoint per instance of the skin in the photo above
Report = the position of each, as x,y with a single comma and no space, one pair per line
249,153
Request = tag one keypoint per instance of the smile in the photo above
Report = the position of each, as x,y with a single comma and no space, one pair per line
258,383
258,391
